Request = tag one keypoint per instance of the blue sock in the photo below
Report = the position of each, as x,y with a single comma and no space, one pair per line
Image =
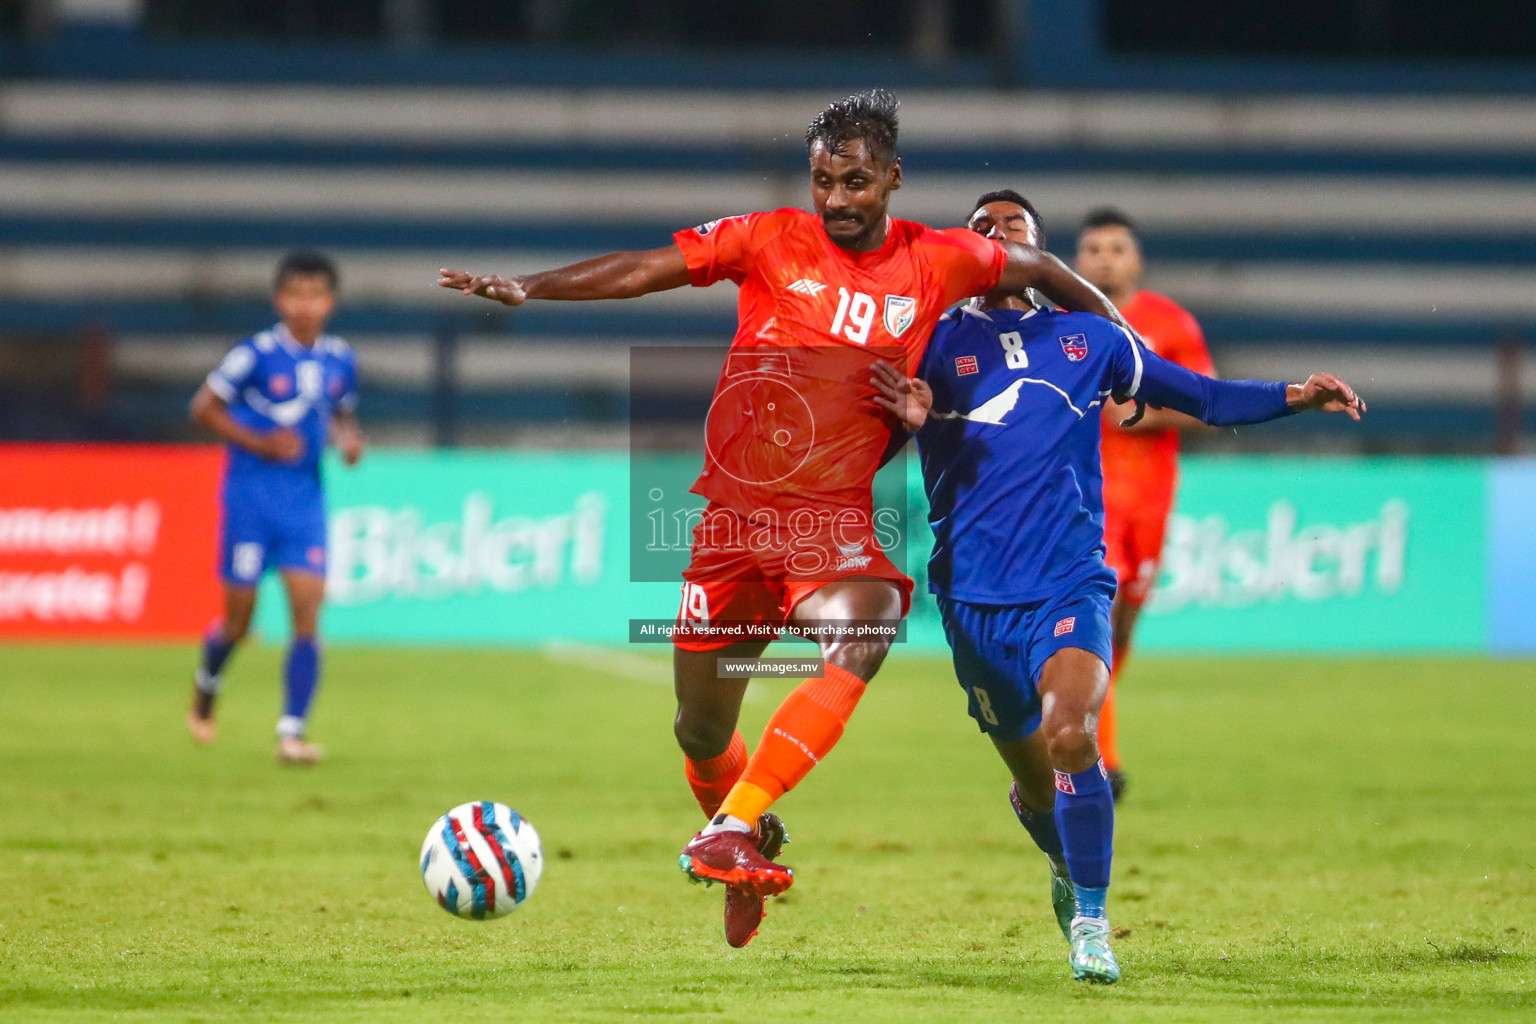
1085,814
1041,826
216,651
1090,902
301,674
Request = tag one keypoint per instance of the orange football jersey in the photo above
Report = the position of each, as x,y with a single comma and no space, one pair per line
794,424
1141,470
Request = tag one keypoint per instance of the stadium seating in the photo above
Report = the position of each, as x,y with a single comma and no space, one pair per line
1394,241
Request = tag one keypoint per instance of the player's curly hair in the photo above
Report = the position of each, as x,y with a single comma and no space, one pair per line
1008,195
868,115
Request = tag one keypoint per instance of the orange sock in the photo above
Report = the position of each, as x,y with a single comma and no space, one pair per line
1108,749
802,732
711,780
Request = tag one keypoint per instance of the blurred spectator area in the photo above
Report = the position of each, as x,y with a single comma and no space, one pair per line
1356,28
1390,239
603,23
1333,28
1349,184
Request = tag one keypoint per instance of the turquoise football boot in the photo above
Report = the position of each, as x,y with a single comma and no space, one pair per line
1092,960
1064,902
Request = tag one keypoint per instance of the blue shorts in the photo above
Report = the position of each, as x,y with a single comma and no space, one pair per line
1000,649
258,538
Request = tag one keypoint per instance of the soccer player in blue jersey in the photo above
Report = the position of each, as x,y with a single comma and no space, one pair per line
1006,407
276,400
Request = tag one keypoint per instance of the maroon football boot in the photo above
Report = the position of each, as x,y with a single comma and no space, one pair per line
744,911
733,858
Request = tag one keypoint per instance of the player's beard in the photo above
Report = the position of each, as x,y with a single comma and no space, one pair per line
847,229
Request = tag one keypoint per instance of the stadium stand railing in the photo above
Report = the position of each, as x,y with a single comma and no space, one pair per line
1392,239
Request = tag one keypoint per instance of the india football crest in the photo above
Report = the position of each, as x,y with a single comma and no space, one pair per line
1075,346
900,311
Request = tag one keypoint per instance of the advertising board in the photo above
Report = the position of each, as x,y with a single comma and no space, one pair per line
107,542
1262,554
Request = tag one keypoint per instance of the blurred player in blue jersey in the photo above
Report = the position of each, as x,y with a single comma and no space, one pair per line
1006,406
275,401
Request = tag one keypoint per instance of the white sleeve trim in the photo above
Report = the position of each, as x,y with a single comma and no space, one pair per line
336,345
221,387
1136,354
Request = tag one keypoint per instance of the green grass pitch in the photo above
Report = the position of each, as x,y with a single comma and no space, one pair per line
1303,840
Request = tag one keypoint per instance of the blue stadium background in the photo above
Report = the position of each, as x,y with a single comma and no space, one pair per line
1332,186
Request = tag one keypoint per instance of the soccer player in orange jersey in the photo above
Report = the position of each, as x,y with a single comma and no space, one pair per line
793,442
1141,462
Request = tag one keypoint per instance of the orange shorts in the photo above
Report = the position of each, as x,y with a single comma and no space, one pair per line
1133,546
746,574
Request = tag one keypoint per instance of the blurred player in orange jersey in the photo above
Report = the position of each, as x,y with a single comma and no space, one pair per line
1141,462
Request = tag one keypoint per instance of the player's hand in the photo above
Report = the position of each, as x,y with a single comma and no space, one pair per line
279,446
350,444
906,398
506,290
1325,392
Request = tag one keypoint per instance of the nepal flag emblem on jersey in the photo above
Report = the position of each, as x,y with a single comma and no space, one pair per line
281,387
1075,346
900,311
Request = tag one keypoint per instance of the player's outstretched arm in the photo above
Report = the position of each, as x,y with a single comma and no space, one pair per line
211,411
1225,403
1030,267
618,275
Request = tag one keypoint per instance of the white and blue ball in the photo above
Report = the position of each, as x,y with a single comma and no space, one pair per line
481,860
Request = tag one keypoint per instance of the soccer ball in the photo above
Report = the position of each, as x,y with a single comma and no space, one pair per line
481,860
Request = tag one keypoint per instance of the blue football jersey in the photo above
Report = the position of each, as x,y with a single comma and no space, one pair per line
271,381
1010,451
